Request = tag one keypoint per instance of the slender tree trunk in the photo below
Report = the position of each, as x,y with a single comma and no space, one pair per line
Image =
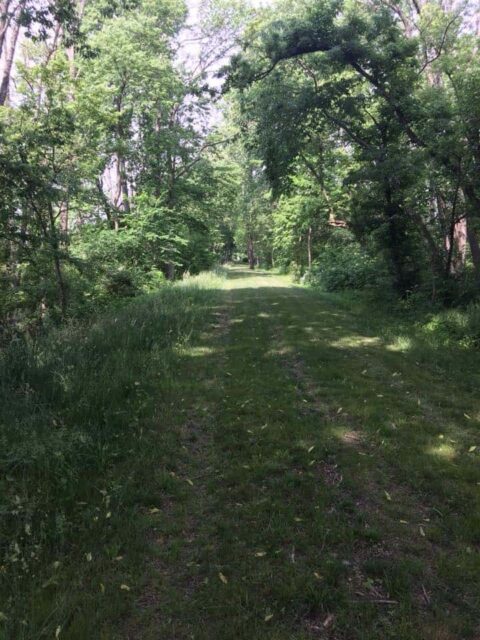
55,244
309,247
170,271
4,21
10,55
250,253
64,221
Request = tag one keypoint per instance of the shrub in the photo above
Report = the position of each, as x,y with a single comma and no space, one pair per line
455,327
121,284
345,266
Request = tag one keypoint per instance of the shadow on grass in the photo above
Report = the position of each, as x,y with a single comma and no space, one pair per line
289,405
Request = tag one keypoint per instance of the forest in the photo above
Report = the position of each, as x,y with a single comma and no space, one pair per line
239,319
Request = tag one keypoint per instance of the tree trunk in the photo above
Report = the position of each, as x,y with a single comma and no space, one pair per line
456,244
309,247
250,253
64,223
10,55
474,250
403,278
122,201
54,241
4,21
472,203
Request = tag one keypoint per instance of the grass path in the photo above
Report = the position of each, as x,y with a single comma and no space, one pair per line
324,486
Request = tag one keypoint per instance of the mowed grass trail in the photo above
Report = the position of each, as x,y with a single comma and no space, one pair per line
327,484
240,458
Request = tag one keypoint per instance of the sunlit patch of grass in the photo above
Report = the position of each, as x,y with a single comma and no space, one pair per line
399,344
197,351
353,342
443,450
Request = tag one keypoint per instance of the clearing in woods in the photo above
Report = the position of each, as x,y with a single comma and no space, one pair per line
327,485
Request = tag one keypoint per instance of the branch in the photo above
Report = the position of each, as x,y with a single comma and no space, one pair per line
442,44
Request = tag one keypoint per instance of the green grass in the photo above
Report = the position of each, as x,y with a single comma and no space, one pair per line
86,424
253,460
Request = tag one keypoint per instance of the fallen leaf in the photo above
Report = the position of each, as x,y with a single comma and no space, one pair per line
261,554
467,416
88,557
58,631
317,575
328,620
189,482
472,448
268,617
154,510
387,495
422,532
311,448
223,578
124,587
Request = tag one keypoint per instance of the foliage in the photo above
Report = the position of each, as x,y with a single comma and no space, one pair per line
385,90
454,327
344,264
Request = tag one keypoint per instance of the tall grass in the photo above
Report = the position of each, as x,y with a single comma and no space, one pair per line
81,413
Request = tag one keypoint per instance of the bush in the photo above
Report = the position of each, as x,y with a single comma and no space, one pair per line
455,327
345,266
121,284
297,271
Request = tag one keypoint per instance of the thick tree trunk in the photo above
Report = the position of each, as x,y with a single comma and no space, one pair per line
456,245
474,250
122,201
472,203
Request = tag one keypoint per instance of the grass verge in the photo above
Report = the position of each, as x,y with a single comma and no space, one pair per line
85,425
